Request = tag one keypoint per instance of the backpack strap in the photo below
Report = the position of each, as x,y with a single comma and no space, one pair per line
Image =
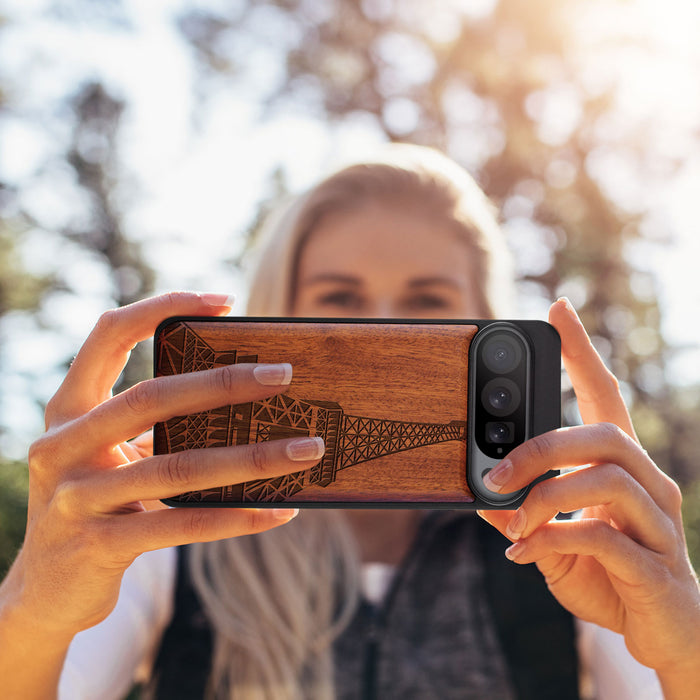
183,664
536,633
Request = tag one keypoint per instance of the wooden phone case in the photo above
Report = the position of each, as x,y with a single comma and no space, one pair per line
388,398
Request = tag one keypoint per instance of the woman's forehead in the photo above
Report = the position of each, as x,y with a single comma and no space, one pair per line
384,234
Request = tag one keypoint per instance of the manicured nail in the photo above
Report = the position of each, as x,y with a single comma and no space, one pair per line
218,299
569,306
499,476
515,550
517,525
304,449
285,514
273,375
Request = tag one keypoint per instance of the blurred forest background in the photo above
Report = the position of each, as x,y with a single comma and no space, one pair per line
580,119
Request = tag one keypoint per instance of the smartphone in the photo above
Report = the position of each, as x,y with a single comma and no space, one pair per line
412,413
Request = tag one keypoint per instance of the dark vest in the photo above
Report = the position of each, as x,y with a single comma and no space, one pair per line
460,621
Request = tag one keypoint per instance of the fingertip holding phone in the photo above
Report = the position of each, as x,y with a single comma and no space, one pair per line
412,413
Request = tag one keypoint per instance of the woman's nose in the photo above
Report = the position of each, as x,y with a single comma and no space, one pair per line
383,308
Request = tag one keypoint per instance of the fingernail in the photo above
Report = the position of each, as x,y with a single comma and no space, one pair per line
273,375
218,299
304,449
498,477
569,306
517,525
285,514
515,550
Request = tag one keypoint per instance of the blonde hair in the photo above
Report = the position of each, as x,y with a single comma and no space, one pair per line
277,600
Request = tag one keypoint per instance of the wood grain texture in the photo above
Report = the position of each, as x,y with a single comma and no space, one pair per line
390,400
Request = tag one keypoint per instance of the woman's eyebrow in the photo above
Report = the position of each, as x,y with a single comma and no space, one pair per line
433,281
332,277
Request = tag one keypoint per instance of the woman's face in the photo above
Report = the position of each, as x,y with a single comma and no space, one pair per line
385,261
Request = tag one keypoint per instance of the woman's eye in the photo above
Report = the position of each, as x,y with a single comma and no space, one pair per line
427,302
341,300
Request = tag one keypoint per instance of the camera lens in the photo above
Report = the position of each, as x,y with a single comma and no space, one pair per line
500,396
499,432
502,353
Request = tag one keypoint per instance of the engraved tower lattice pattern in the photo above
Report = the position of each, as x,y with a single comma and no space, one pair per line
349,440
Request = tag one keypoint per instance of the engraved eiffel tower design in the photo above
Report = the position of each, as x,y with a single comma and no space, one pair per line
349,439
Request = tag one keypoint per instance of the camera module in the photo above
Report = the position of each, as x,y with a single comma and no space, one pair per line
505,358
500,397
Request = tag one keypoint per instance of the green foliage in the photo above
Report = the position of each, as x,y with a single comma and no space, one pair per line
691,521
18,289
14,484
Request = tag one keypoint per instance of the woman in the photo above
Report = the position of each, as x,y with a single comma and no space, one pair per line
412,236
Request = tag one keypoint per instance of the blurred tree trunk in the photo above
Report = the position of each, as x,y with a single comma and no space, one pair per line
93,153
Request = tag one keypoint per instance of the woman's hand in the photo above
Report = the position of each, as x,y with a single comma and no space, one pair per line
624,564
87,515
